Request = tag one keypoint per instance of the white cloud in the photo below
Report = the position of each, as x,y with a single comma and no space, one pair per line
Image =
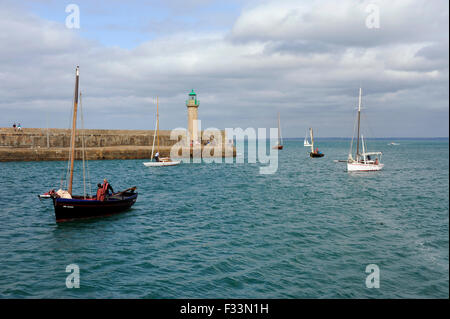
306,58
343,22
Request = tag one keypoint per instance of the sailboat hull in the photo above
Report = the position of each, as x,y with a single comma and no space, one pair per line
361,167
316,154
278,147
78,208
159,164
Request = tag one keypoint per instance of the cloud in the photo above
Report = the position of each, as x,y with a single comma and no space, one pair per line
343,22
306,61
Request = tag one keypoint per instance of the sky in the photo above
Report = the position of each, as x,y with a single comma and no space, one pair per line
246,60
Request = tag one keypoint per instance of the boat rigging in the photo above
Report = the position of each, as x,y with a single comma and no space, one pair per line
68,206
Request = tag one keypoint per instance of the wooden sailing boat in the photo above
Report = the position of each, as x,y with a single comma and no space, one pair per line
159,161
279,145
68,206
314,152
363,161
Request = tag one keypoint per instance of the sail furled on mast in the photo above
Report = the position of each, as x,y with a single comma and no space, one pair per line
157,122
280,139
74,128
154,138
359,124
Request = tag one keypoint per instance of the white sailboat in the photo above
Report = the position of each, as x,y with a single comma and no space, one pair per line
306,142
159,161
279,145
363,161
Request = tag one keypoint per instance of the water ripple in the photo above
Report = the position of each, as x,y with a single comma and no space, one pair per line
224,231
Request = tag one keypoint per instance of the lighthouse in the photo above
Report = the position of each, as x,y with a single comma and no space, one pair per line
192,107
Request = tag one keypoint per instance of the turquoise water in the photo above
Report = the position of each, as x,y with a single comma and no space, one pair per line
225,231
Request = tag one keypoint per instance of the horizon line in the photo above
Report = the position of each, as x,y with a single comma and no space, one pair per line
290,137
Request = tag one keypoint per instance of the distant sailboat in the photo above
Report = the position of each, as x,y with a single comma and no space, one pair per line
279,145
306,143
159,161
314,152
363,161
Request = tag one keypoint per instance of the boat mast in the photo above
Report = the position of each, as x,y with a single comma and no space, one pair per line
74,128
363,148
279,133
157,122
359,120
154,138
48,137
312,139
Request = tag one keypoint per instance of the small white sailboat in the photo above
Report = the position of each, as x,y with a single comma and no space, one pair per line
159,161
363,161
279,145
306,142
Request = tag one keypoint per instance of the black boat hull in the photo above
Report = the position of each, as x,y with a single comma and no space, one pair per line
316,154
78,208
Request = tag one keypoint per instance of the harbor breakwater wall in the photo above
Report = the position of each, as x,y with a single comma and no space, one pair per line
35,144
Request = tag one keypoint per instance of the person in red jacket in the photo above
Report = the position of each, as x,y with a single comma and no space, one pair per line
99,191
104,190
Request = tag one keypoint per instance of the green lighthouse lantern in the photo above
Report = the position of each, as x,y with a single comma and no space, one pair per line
192,101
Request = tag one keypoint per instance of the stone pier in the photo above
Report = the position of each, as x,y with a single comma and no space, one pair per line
35,144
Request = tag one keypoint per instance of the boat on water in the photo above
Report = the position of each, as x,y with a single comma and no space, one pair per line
162,162
68,206
306,142
393,144
80,207
363,161
314,152
159,161
279,145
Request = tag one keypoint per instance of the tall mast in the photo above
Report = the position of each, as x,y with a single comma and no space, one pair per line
312,139
74,128
279,133
359,119
363,147
157,122
48,137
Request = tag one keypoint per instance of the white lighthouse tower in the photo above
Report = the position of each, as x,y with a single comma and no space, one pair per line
192,106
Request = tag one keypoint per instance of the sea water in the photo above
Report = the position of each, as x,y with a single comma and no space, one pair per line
226,231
